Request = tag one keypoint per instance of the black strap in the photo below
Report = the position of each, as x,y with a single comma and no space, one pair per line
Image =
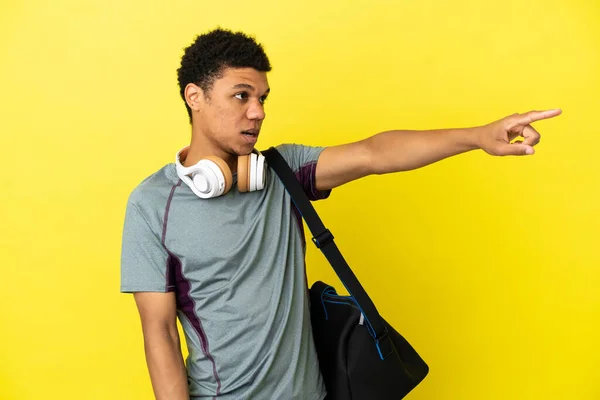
323,239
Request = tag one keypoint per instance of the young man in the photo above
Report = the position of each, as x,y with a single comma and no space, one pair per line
230,265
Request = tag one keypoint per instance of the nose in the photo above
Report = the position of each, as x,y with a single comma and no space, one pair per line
256,111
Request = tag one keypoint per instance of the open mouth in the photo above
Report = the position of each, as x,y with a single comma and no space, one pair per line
251,133
250,136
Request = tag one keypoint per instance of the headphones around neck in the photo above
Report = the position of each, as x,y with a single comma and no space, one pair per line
211,176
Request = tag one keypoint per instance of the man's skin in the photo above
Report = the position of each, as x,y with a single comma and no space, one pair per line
226,123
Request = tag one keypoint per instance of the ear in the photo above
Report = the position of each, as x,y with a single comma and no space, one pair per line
193,96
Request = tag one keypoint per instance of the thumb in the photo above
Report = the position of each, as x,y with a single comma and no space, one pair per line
514,149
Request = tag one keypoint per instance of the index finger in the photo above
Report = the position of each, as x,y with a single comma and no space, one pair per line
532,116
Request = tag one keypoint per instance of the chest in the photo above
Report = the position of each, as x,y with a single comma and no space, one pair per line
239,236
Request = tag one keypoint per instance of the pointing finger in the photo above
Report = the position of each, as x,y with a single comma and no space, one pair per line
532,116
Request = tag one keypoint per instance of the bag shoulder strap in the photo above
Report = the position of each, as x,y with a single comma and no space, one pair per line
323,239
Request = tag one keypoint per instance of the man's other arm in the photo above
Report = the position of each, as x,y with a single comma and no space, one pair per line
158,313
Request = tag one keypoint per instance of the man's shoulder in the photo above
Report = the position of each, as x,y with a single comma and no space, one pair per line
154,189
293,146
298,155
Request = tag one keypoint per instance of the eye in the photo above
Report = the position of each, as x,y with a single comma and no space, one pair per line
241,96
263,99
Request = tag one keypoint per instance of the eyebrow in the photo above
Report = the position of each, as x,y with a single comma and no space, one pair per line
249,87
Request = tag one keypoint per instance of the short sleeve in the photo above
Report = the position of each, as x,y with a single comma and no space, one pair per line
144,260
303,161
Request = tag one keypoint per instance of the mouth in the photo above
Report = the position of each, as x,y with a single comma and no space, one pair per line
251,135
251,132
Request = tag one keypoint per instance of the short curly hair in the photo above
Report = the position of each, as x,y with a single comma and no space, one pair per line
211,53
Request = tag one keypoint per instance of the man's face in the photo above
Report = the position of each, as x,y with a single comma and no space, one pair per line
231,113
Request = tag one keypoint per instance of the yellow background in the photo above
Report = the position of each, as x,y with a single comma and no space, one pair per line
489,266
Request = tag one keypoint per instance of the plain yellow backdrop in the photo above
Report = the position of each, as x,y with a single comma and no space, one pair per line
489,266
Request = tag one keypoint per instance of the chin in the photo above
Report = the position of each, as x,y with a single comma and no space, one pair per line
241,151
245,150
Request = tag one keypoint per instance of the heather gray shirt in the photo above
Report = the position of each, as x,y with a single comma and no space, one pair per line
236,264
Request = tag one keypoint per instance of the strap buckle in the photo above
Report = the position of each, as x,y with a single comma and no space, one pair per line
323,238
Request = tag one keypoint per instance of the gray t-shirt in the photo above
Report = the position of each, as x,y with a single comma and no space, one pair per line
237,265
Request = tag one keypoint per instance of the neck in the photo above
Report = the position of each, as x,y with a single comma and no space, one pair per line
201,147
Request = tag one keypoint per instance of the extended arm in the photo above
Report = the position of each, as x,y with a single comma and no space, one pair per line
161,343
395,151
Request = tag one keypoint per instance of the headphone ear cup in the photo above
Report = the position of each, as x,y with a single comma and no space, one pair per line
261,173
253,172
243,173
225,170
